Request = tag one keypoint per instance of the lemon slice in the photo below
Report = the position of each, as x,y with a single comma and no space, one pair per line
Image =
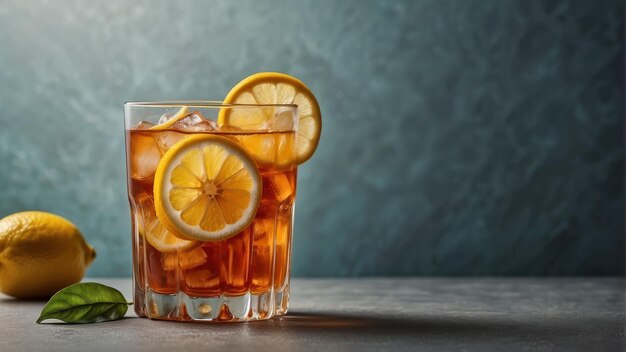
155,233
270,150
177,116
275,88
163,240
206,188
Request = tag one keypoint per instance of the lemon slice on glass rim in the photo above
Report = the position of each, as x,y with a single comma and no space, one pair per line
206,188
276,88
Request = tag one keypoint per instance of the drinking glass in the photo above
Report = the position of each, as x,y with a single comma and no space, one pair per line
240,278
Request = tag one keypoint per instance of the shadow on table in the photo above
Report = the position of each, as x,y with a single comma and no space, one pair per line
475,327
385,325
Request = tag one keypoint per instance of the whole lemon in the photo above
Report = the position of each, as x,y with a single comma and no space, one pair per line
40,253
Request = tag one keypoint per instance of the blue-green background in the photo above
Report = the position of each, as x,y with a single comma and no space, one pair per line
479,137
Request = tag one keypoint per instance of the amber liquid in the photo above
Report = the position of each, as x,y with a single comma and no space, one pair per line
256,260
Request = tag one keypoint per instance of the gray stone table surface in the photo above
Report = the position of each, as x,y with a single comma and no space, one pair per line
378,314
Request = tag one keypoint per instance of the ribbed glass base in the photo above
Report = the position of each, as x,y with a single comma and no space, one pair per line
224,308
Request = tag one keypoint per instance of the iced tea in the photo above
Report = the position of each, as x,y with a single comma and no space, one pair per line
243,277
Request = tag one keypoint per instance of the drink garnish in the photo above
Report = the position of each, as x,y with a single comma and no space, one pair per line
206,188
274,88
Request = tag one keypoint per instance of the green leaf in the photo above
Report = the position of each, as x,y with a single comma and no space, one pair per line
86,302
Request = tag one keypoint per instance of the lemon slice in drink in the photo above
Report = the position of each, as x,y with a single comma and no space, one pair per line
163,240
275,88
206,188
177,116
155,233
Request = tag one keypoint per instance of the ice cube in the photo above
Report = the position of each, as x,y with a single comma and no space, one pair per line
144,156
278,186
143,125
267,208
204,126
186,260
201,279
195,122
193,118
144,211
164,118
145,205
285,211
263,229
282,120
165,140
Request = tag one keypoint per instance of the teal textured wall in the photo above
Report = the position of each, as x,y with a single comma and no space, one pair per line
460,137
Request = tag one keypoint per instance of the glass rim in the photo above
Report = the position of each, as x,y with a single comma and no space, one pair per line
199,104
